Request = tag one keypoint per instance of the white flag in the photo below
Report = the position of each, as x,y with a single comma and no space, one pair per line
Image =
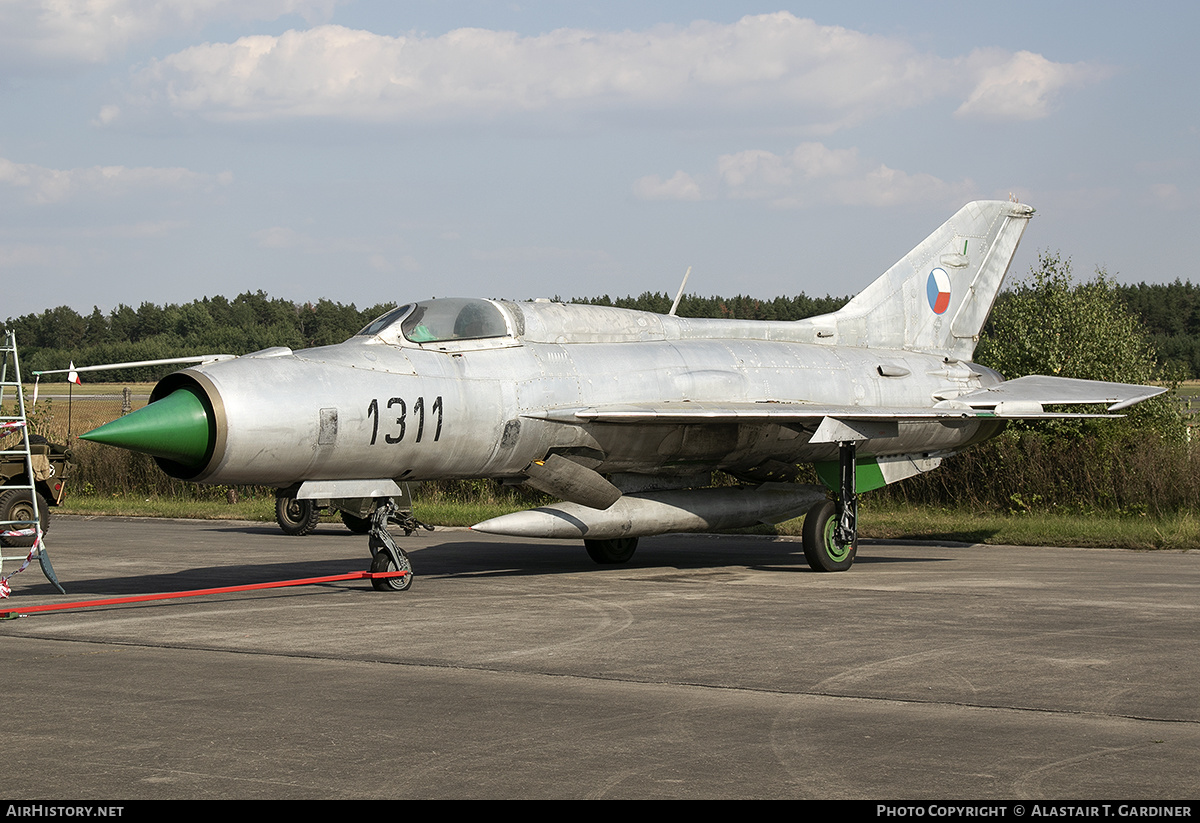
72,375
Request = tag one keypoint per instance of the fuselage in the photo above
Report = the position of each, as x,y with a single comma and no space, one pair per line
408,402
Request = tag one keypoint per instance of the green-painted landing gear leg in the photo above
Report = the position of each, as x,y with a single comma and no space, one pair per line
831,527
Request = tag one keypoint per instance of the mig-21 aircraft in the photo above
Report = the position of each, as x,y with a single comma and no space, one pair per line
624,415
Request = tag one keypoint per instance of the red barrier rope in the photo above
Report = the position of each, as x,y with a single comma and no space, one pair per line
6,613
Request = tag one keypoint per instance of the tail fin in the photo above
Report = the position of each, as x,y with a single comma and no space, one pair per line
937,298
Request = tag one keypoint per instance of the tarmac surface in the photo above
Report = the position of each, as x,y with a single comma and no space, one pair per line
707,667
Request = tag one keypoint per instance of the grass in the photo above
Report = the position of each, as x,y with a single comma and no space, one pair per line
1179,531
1188,388
879,520
60,389
262,509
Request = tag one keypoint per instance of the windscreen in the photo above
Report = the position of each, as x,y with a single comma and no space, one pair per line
452,318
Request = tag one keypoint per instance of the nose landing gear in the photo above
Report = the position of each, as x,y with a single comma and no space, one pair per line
386,556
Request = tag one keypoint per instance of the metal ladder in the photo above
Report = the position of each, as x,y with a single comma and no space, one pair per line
10,493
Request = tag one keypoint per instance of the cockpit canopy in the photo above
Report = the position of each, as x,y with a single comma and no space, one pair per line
442,320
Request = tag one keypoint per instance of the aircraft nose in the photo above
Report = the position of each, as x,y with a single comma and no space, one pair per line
176,428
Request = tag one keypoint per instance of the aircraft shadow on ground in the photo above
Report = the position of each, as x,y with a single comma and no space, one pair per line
507,560
202,577
671,554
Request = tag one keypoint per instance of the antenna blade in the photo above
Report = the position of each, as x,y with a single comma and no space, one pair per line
678,295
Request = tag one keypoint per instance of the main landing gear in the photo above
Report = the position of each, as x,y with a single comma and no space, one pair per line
605,552
831,526
386,556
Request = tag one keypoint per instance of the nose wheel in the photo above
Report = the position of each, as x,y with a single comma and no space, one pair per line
386,556
384,561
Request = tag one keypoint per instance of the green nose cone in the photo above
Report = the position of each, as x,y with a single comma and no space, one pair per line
174,428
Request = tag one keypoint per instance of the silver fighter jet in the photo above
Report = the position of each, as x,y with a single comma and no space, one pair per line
624,415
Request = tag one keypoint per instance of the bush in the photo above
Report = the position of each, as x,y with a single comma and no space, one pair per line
1028,471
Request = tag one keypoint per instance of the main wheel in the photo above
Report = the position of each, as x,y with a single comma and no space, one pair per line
17,504
296,517
618,550
821,550
382,562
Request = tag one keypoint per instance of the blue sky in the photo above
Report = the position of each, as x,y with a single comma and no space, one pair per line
372,152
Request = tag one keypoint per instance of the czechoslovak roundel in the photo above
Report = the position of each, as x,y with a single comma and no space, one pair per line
938,290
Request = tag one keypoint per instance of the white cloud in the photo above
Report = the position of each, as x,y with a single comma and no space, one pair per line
136,231
790,70
25,255
1022,86
281,237
814,174
107,115
1169,196
752,172
90,31
43,185
883,186
815,160
284,237
681,186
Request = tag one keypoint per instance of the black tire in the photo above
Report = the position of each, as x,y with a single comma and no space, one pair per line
296,517
16,504
382,562
822,552
608,552
358,525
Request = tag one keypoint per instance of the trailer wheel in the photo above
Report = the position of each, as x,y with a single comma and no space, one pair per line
296,517
17,504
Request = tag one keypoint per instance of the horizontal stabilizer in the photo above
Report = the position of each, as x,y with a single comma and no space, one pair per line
1060,391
